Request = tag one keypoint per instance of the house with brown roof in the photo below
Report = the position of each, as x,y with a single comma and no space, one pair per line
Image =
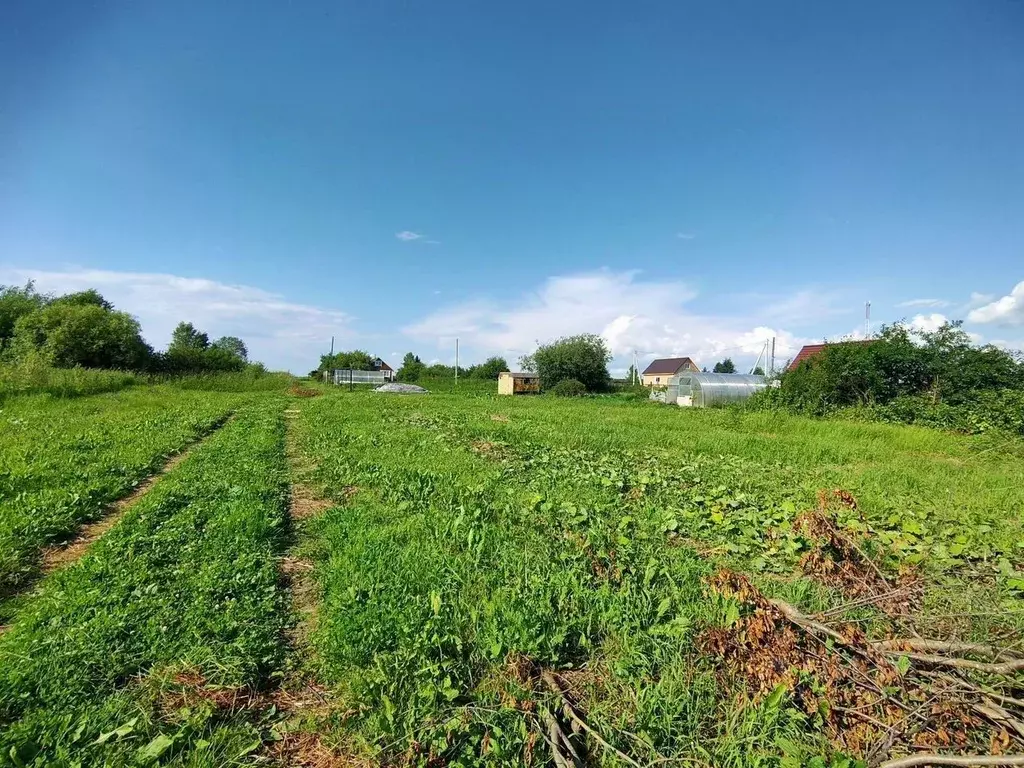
379,365
661,370
810,350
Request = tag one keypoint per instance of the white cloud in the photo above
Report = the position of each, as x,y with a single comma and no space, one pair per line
977,299
278,332
685,235
407,236
1008,310
928,323
936,303
648,317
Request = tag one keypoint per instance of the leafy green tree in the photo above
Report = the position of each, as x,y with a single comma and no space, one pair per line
190,351
187,337
759,371
68,334
356,360
439,371
87,298
584,357
15,303
489,368
632,374
412,368
233,345
726,366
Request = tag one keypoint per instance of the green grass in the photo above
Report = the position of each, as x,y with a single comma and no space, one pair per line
34,377
488,529
62,461
186,581
474,539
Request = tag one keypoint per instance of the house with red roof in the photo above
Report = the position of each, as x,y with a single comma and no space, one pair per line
810,350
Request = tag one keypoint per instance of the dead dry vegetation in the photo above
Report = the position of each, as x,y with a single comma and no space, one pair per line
898,692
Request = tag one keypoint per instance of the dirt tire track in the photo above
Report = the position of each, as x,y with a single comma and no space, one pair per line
301,698
58,556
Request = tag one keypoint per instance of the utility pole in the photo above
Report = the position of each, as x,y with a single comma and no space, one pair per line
867,319
330,363
771,366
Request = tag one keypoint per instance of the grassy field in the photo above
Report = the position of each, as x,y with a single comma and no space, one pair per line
469,580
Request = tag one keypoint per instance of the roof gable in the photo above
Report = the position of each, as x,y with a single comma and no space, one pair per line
810,350
668,365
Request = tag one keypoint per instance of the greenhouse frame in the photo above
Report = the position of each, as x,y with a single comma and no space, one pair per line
703,390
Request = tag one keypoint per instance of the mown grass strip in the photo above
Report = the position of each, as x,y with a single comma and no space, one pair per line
63,462
450,587
120,656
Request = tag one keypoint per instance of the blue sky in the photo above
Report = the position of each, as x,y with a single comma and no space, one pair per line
685,178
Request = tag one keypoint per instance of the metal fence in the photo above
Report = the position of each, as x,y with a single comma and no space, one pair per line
349,376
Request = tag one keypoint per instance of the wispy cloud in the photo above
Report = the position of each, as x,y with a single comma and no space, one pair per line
936,303
407,236
281,333
685,235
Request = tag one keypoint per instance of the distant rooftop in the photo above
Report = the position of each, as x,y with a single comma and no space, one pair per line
810,350
667,365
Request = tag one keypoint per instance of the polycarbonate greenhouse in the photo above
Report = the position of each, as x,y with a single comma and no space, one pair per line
702,390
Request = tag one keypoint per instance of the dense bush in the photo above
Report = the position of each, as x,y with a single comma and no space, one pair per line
989,410
568,388
584,358
936,378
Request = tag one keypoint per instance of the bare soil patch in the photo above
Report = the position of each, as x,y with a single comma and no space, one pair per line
306,502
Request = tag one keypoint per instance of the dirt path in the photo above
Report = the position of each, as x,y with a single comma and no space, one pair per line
55,557
304,702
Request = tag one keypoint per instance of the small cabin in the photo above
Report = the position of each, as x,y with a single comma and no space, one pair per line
518,383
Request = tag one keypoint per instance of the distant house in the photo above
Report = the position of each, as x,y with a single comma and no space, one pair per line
810,350
387,370
661,370
518,383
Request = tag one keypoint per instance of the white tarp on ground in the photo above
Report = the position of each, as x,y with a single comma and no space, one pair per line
402,389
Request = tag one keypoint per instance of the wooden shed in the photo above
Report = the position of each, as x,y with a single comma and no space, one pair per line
518,383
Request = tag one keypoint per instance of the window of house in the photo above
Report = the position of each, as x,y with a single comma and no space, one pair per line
657,379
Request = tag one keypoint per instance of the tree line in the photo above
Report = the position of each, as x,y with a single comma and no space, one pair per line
83,329
412,368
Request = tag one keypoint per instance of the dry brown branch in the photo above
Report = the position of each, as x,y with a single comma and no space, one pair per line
961,760
997,714
557,740
864,601
1001,668
795,616
901,644
570,712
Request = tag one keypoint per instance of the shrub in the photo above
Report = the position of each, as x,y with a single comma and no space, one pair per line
568,388
584,358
